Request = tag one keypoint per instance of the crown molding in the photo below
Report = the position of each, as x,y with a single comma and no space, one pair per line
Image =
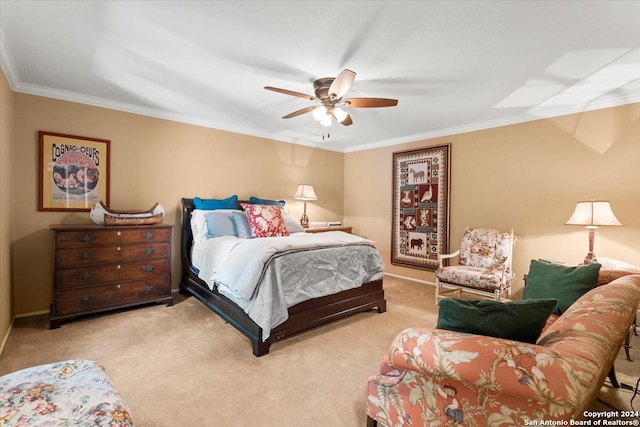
6,62
533,114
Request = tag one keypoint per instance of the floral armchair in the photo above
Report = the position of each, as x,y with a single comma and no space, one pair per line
484,265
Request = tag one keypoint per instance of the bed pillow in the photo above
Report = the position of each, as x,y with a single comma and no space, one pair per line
291,224
265,220
211,204
220,224
521,320
257,201
566,284
241,225
199,223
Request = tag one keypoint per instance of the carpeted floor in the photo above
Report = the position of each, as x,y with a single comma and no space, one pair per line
183,365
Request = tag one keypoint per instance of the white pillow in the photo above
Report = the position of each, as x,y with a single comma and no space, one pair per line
291,224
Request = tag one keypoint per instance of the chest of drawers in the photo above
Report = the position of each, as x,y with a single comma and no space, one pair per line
100,268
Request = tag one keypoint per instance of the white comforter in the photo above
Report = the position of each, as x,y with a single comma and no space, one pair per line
265,276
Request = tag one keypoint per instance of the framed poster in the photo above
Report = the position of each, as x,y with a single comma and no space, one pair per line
73,172
421,180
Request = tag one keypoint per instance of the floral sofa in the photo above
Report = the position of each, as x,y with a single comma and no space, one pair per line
433,377
71,393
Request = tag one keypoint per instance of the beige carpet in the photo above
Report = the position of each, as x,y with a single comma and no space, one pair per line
183,365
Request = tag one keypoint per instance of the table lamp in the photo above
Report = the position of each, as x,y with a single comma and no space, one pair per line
305,193
593,214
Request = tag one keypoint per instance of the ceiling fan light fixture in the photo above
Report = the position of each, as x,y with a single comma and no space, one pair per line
340,114
326,120
319,113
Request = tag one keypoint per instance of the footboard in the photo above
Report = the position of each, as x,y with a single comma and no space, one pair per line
302,317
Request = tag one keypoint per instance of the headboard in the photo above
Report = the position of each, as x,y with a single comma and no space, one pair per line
186,235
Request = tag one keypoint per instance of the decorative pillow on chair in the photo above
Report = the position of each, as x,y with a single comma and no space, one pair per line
566,284
265,220
513,320
210,204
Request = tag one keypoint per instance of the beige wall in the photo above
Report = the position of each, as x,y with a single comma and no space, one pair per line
527,177
6,191
154,160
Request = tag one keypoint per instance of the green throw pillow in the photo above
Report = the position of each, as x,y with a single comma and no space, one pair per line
513,320
566,284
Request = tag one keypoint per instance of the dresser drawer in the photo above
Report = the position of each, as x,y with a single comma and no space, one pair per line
70,257
77,277
99,297
111,236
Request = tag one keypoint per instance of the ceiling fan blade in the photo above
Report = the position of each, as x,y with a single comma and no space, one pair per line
370,102
299,112
292,93
341,84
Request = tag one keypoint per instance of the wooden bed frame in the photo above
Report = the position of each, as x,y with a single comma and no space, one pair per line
302,317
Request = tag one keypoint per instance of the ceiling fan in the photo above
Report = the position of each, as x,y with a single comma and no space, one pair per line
328,93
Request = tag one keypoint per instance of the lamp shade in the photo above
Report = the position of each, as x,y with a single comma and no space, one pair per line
305,192
593,213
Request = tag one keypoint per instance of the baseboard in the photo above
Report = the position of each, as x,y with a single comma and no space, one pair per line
6,336
33,313
410,279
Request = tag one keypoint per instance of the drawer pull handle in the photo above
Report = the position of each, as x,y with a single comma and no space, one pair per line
118,233
85,255
149,250
118,249
147,289
148,234
118,286
85,237
118,266
148,268
86,275
85,298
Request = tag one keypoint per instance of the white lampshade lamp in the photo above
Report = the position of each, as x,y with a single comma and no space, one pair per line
593,214
305,193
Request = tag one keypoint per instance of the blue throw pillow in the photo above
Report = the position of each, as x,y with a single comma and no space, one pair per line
211,204
257,201
241,225
220,224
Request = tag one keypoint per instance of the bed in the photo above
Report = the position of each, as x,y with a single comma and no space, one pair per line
301,316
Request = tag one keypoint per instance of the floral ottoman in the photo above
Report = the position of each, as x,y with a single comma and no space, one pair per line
70,393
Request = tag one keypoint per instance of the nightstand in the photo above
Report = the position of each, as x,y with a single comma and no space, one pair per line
323,229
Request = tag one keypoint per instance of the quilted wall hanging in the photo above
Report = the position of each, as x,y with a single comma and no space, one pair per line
421,180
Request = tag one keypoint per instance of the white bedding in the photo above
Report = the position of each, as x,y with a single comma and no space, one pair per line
265,276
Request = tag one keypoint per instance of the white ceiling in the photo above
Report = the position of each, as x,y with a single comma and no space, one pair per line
454,66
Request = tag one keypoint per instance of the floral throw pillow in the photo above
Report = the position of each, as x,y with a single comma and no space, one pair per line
265,220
